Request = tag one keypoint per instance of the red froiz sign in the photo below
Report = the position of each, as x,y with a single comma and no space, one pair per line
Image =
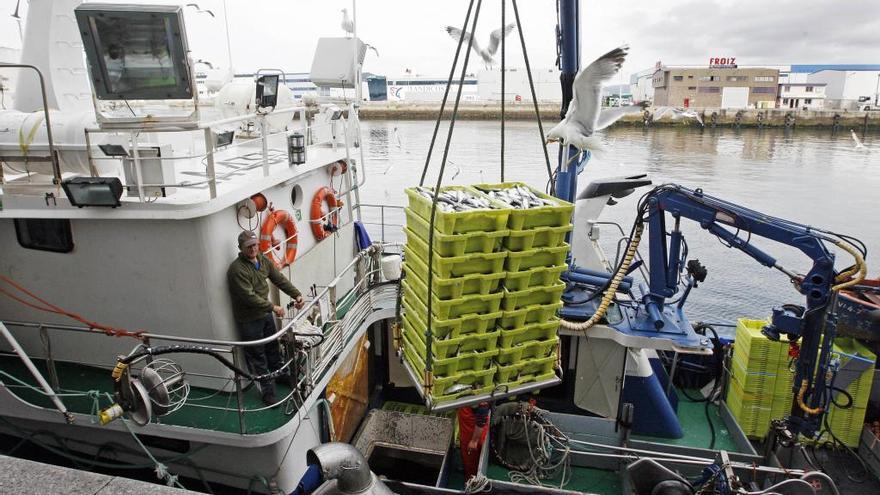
726,62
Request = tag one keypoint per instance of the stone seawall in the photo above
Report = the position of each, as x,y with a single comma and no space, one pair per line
776,117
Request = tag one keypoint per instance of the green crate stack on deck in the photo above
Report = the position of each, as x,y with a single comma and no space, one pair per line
536,253
761,385
466,294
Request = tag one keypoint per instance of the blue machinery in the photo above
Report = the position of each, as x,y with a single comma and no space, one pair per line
650,315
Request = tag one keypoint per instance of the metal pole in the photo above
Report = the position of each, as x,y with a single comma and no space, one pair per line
209,154
570,61
56,167
242,428
265,144
137,165
36,374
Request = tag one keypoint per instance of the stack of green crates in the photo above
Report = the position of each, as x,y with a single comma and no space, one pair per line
762,384
466,294
494,295
536,252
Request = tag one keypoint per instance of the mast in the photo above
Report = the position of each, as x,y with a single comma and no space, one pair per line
569,38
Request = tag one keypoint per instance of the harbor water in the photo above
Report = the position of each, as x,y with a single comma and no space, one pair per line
818,178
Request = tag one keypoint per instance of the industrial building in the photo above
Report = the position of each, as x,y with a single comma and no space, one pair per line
715,87
842,86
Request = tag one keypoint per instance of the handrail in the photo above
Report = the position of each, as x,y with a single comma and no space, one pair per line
56,167
371,250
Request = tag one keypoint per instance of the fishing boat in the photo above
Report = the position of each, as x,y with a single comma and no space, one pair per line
124,189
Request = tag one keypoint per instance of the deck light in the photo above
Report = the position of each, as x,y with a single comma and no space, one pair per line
93,191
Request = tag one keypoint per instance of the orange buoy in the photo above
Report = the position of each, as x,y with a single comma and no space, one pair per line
268,243
324,224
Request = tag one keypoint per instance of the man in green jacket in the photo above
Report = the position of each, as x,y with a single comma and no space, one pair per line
253,311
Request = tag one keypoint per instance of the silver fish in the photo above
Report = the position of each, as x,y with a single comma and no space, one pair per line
456,388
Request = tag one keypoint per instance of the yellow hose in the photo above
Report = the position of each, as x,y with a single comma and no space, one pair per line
860,269
612,288
118,370
800,400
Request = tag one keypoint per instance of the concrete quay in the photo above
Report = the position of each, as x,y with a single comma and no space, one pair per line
23,476
718,117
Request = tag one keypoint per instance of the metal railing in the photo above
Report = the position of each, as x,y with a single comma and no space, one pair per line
338,332
209,159
382,224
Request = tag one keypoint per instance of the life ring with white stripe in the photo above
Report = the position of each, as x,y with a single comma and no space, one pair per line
268,243
324,224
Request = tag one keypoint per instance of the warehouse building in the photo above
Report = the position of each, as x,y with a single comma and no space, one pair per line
715,87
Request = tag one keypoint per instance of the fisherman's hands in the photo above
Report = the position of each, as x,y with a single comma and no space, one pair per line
472,445
278,310
299,302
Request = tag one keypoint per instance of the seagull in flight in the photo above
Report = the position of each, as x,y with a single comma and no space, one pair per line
494,41
199,10
856,139
585,116
677,113
347,24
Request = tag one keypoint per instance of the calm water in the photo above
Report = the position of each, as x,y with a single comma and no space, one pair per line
811,177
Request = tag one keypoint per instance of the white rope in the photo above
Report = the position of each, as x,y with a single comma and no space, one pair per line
478,484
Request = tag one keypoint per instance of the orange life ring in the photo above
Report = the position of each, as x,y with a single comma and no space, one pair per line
322,227
268,243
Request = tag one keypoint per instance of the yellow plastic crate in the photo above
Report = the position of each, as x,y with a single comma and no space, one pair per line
525,260
753,382
534,331
455,266
535,277
452,288
451,308
527,370
455,327
528,350
556,215
455,244
530,297
538,237
752,412
414,352
538,313
452,347
463,222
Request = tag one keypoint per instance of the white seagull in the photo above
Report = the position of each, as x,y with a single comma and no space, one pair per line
347,24
199,10
584,116
677,113
494,41
858,141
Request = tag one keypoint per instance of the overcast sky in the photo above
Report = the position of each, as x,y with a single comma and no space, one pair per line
410,34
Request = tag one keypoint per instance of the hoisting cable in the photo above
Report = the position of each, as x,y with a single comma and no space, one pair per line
429,361
503,78
534,98
446,92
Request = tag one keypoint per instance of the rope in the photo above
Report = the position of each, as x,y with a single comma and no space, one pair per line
477,484
160,468
534,98
446,92
51,308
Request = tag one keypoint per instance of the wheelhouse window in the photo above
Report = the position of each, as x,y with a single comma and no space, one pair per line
44,234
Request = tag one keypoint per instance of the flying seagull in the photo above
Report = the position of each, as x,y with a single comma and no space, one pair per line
347,24
584,116
856,139
494,41
677,113
199,10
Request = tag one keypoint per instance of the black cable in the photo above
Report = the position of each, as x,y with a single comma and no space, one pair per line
446,92
534,97
503,78
429,357
711,424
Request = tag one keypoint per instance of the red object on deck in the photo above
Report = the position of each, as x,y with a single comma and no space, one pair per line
467,422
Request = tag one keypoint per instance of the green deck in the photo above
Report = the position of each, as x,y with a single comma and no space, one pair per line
692,416
79,378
